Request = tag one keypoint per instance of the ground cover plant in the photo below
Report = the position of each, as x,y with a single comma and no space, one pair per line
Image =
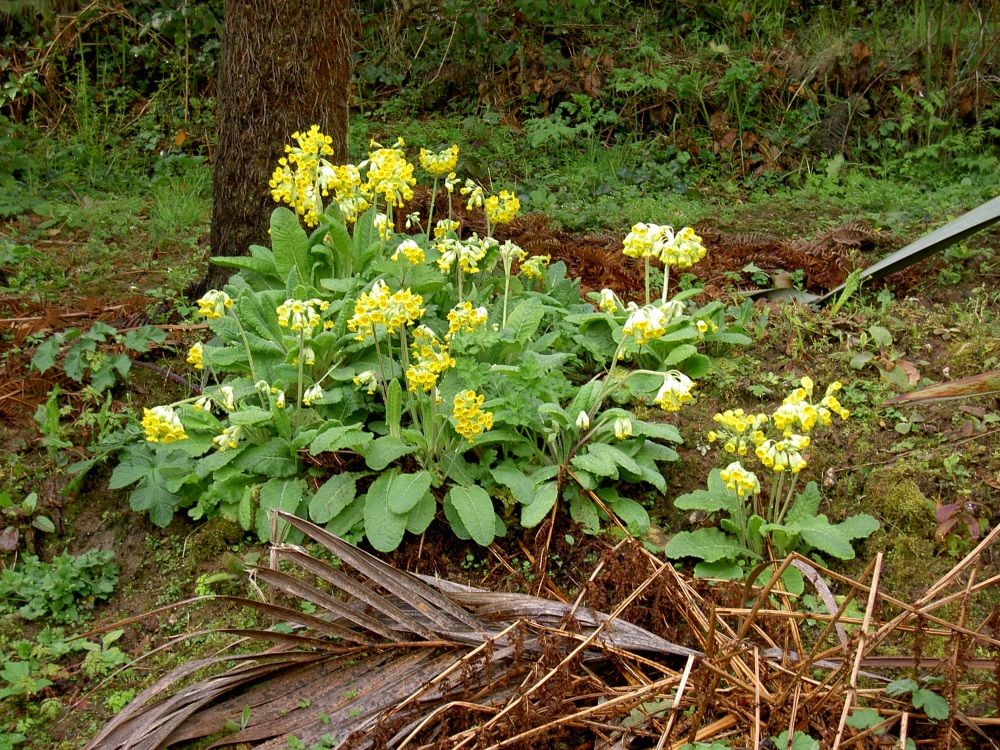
799,144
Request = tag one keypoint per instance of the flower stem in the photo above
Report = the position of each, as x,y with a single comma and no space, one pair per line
645,261
666,283
298,391
430,211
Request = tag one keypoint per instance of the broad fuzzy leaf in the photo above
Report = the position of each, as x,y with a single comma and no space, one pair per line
709,544
475,508
383,527
545,498
336,494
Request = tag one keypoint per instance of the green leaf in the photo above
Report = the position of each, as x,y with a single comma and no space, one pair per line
520,486
421,514
596,463
806,504
244,513
800,741
224,356
43,523
139,339
340,437
723,570
727,337
584,512
657,430
545,498
860,526
153,496
697,366
382,452
45,355
475,508
678,354
383,527
932,704
250,415
277,494
290,244
216,460
863,718
717,497
407,490
709,544
336,494
818,532
896,688
275,458
246,263
524,320
632,515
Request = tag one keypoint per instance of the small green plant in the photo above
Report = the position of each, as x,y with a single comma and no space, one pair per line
58,589
118,699
23,520
777,521
460,369
934,706
80,355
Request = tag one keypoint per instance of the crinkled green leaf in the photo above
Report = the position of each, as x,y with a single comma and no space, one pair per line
275,458
520,486
633,515
336,494
289,243
717,497
545,497
383,527
277,494
421,514
382,452
406,490
475,508
708,544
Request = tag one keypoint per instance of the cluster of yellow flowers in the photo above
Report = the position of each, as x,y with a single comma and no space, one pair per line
162,425
230,437
196,356
443,226
609,301
797,408
534,267
683,249
675,391
735,423
779,455
390,174
623,428
429,357
312,393
302,176
379,307
300,315
502,208
441,163
740,430
739,479
651,321
468,253
381,223
411,251
469,418
475,194
465,317
213,305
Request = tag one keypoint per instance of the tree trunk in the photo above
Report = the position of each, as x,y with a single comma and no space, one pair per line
285,65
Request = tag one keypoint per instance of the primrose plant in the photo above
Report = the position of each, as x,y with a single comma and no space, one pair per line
775,520
437,375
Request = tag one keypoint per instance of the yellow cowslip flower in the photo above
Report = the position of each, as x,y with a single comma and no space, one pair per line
739,479
645,323
475,194
381,223
469,419
429,357
308,356
534,267
196,356
464,317
468,253
705,326
609,301
443,226
313,393
509,252
379,307
623,428
735,423
441,163
301,315
682,250
213,305
450,182
411,251
796,411
230,437
830,401
390,175
162,425
583,421
782,455
413,219
228,399
646,240
203,403
675,391
502,208
303,176
279,399
368,379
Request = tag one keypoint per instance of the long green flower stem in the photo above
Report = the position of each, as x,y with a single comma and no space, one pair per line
381,366
298,392
430,211
246,346
405,357
786,506
666,283
645,262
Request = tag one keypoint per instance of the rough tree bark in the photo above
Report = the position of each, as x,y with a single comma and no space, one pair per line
285,65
